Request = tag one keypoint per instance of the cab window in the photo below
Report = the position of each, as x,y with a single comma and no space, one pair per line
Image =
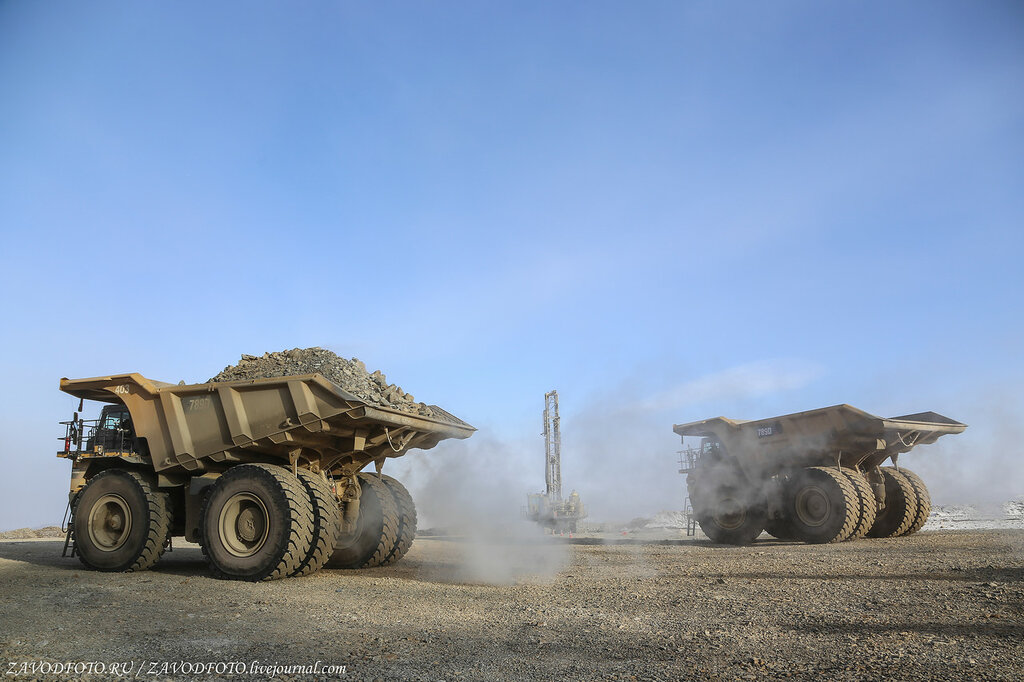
113,419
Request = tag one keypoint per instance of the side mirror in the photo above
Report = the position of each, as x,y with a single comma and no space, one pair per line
81,404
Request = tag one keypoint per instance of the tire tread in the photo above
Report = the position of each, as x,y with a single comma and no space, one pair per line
868,504
406,508
850,501
158,531
924,501
326,522
888,524
389,511
300,523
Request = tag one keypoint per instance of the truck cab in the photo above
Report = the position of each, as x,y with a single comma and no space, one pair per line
113,431
111,434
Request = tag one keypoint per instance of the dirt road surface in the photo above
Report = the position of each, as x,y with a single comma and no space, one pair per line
938,605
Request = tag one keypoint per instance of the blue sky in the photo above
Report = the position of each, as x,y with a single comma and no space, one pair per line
665,210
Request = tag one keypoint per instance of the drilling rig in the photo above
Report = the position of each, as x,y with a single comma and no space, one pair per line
548,508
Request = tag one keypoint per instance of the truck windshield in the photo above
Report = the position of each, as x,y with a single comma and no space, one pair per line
114,420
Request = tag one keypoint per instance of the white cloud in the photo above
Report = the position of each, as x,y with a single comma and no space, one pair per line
737,383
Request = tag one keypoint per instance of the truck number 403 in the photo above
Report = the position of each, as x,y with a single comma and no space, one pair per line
122,389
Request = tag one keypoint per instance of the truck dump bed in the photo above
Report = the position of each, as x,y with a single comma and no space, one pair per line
200,427
840,433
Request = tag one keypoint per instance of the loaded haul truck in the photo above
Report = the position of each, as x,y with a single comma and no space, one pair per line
267,475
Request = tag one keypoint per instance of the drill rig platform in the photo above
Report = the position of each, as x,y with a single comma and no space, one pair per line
549,509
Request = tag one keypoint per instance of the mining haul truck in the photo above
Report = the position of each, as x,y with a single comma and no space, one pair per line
814,476
265,474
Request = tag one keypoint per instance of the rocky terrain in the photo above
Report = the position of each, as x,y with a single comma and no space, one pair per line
350,375
27,533
936,605
969,517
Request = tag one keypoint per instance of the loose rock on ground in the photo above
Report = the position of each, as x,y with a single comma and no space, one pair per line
936,605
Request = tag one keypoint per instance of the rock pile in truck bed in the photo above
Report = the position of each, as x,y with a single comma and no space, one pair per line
350,375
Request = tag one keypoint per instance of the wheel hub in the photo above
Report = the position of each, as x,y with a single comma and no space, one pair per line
730,515
244,524
110,522
812,506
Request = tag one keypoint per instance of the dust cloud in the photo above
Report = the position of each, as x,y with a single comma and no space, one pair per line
472,492
619,452
620,447
981,467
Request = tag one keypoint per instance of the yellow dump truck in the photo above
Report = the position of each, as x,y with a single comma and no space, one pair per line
267,475
814,476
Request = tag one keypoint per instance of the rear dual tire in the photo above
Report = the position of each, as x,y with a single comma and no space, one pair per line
406,509
257,524
821,505
907,504
377,527
924,501
326,522
868,505
901,506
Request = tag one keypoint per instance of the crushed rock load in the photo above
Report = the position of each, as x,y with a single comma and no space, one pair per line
350,375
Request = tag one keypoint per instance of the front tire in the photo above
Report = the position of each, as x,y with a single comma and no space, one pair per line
257,523
723,513
121,522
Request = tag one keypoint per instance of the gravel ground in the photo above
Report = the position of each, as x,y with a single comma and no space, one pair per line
937,605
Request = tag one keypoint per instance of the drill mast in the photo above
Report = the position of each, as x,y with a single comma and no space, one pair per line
548,508
552,447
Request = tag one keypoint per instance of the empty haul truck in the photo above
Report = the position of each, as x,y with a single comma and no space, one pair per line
814,476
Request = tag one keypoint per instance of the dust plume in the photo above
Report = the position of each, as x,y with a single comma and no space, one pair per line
473,491
619,449
980,467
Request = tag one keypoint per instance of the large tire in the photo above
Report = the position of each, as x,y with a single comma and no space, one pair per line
822,505
326,522
724,514
406,508
257,523
376,527
900,509
121,522
780,528
924,501
868,505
